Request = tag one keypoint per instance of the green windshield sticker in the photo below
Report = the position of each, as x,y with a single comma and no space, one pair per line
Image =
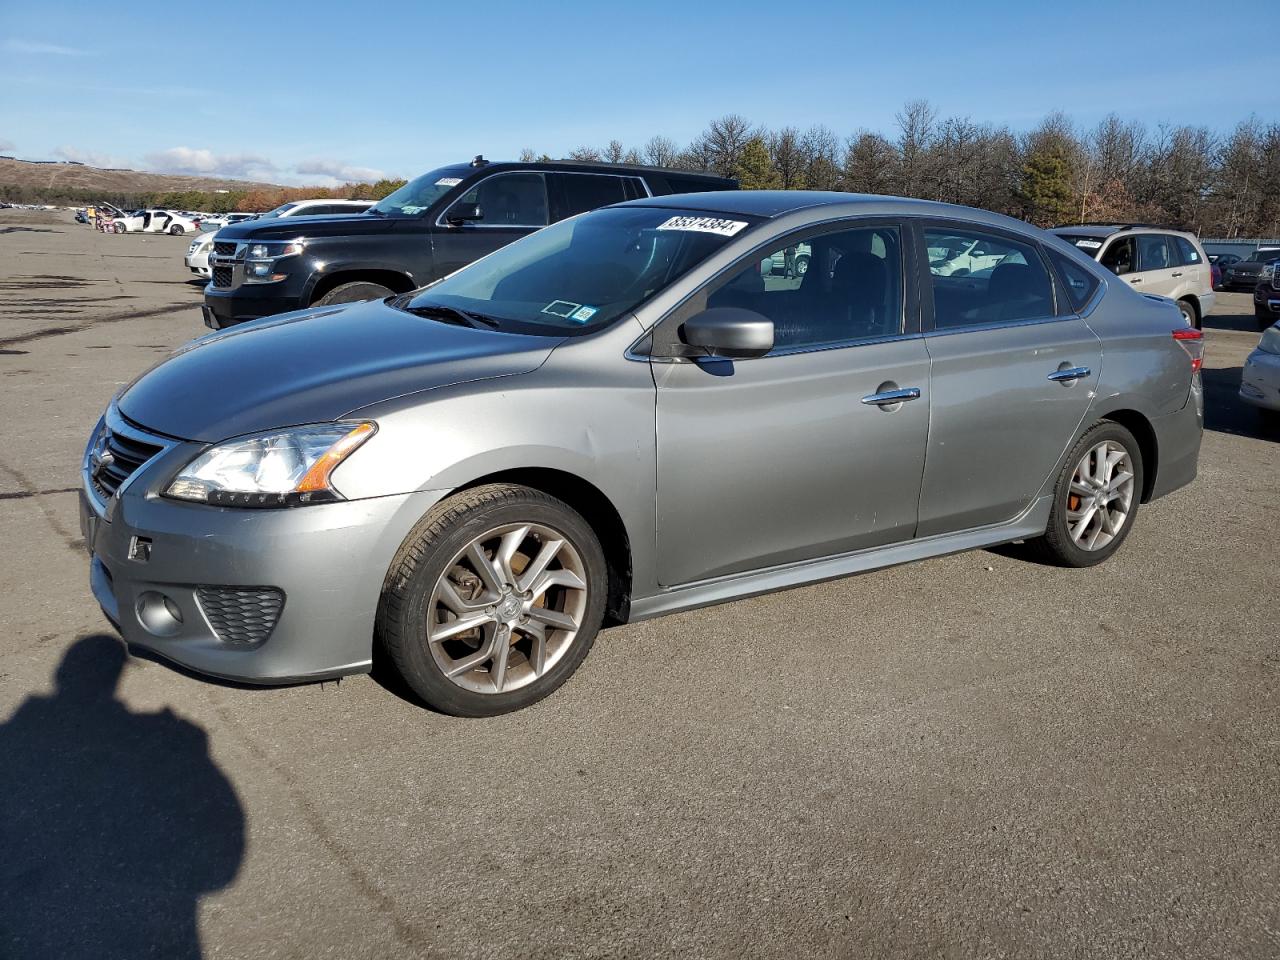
584,313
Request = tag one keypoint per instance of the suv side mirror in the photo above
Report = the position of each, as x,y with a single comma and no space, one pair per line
461,213
730,332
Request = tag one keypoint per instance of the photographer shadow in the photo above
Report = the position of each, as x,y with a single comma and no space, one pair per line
113,824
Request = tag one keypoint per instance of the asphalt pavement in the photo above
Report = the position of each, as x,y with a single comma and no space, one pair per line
973,756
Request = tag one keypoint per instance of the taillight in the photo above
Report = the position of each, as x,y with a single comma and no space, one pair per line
1192,341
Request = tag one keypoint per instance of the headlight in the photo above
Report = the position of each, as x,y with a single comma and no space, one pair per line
260,264
1267,272
284,468
1270,342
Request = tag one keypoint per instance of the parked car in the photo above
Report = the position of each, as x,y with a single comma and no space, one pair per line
619,417
197,256
1243,274
1215,274
1266,294
1260,379
154,221
1170,263
427,229
220,220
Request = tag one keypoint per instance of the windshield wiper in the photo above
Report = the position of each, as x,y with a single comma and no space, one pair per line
447,314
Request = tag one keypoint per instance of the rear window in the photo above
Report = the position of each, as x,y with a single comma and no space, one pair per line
1090,245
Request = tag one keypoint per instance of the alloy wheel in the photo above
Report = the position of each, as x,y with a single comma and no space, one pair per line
1100,497
507,608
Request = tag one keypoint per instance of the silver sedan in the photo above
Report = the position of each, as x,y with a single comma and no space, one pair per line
626,414
1260,379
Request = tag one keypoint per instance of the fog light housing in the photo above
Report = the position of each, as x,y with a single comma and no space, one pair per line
158,614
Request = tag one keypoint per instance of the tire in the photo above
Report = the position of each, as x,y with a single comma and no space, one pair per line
352,292
435,562
1058,546
176,230
802,266
1189,313
120,228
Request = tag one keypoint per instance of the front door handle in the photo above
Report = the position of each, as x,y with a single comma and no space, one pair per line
1177,273
1070,374
1136,280
890,397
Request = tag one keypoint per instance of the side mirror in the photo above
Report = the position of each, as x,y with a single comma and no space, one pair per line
730,332
461,213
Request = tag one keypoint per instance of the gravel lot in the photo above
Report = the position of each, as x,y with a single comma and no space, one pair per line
971,756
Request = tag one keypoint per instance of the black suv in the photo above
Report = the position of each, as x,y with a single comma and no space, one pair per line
425,230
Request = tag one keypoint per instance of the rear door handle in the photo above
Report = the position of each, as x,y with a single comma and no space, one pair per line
891,397
1070,375
1178,273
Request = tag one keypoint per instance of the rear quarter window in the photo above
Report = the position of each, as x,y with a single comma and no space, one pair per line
1079,282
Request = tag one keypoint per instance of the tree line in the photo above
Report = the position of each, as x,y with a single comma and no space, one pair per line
254,200
1222,185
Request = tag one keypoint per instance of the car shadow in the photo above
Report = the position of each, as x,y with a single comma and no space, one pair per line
113,823
1236,322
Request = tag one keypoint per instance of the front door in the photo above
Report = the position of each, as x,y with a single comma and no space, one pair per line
1012,379
798,454
512,205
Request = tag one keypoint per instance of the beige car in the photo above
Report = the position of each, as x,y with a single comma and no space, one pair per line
1170,263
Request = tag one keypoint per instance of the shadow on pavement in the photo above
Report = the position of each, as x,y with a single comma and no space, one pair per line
113,823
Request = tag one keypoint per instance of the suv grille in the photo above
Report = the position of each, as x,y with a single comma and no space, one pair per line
243,615
225,249
222,276
127,455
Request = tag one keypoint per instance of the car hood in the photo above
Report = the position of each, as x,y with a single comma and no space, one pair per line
289,228
1246,267
313,366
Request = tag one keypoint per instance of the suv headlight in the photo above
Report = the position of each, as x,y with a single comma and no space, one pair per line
260,264
1268,272
1270,342
284,468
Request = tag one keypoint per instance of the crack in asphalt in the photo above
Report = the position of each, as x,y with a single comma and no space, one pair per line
47,332
30,490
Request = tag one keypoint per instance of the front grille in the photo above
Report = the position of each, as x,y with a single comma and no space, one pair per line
241,615
126,456
224,249
222,276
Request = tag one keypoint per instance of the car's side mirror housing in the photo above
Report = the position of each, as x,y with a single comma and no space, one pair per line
730,332
461,213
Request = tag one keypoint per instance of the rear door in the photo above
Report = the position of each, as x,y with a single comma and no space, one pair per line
513,204
1012,369
1157,264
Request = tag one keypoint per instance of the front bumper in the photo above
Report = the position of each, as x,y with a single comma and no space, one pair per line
225,307
1260,380
328,561
1266,299
1240,283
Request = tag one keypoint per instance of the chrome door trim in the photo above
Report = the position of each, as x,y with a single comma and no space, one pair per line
1070,375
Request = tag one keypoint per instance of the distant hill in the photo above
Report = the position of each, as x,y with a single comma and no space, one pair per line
75,176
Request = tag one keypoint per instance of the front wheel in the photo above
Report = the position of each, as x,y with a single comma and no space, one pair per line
352,292
493,600
1095,499
120,228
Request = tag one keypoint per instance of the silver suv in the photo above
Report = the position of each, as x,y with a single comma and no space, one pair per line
1170,263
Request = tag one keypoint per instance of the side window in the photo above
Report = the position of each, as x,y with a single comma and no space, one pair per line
1118,258
979,278
1080,283
1187,250
823,290
587,191
634,188
510,200
1153,251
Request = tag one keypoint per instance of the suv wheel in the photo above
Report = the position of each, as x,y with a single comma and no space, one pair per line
1189,313
351,292
493,601
1095,499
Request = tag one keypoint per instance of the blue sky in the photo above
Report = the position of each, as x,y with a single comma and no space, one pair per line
350,91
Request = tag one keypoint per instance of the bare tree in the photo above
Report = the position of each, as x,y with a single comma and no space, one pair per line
661,152
870,164
586,154
723,141
788,159
916,124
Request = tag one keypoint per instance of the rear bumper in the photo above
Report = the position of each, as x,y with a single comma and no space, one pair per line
1178,437
1260,380
326,562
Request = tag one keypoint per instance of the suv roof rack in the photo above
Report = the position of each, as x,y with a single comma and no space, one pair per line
1118,224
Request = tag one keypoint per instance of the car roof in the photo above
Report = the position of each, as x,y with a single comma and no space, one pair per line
770,204
1101,230
591,166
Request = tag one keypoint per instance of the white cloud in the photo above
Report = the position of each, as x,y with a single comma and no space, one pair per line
30,46
206,163
338,171
93,158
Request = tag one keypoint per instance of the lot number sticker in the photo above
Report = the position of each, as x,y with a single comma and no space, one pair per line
448,181
1089,244
725,228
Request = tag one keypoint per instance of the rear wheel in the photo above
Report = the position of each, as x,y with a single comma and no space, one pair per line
1189,313
352,292
1095,499
176,230
493,601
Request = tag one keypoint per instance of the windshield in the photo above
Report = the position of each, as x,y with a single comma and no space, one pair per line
1090,245
417,195
582,274
1263,256
279,211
